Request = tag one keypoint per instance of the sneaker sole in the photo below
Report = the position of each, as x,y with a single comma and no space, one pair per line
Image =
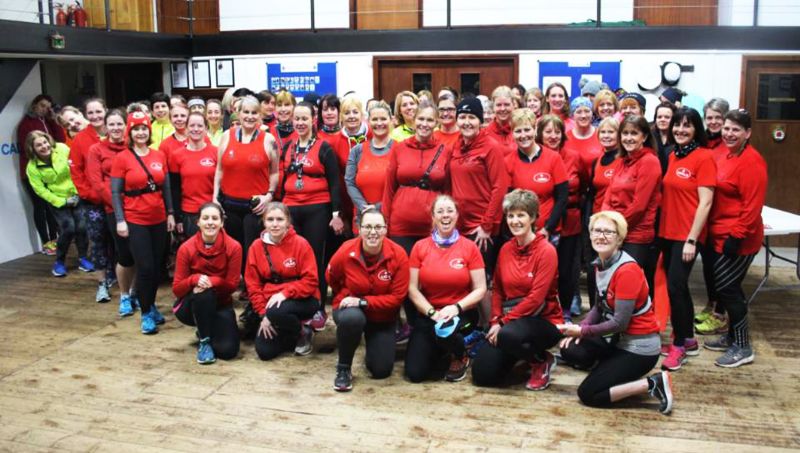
743,361
303,352
103,301
721,330
206,362
87,270
666,368
343,389
667,379
149,332
57,275
456,379
126,314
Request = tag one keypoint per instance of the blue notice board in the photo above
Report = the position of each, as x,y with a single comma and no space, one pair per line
320,78
606,72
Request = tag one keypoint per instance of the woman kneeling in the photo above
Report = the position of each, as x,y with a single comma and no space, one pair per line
620,333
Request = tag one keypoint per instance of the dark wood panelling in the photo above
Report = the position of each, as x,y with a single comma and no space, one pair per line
676,12
173,16
388,14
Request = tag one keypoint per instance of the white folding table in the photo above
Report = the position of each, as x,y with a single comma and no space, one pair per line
777,223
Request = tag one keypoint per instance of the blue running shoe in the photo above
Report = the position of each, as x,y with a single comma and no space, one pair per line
205,353
85,265
148,324
59,270
125,307
158,318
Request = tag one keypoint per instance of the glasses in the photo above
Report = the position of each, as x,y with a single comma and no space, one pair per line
606,234
371,228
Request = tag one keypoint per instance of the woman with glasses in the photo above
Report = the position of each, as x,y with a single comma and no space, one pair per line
369,279
618,340
448,132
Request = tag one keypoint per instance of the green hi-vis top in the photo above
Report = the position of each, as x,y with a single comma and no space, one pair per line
52,182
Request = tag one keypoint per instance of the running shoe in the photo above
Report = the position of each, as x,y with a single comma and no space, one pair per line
125,307
102,295
344,379
318,321
158,318
714,324
662,389
691,344
720,344
49,248
85,265
458,369
59,270
205,353
304,346
402,334
541,372
149,326
675,359
736,356
575,306
703,315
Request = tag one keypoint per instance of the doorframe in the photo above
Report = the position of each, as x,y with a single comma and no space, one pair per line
377,60
748,69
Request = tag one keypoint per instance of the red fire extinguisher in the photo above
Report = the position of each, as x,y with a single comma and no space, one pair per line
61,15
79,15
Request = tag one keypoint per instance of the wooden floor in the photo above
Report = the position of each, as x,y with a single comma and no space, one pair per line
74,377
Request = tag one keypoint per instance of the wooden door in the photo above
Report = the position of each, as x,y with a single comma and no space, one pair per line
676,12
387,14
173,16
134,15
475,74
132,82
771,92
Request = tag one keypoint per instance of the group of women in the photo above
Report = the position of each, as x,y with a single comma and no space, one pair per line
477,228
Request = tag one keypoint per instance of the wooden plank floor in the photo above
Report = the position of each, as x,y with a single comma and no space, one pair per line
74,377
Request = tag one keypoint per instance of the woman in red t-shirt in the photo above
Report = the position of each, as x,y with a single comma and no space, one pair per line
618,340
534,100
635,192
282,280
525,308
736,231
551,135
500,126
447,280
365,173
369,279
207,271
687,194
661,130
142,203
247,174
448,131
605,105
583,137
556,102
191,172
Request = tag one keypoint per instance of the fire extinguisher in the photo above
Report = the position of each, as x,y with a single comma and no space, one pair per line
61,16
71,15
79,15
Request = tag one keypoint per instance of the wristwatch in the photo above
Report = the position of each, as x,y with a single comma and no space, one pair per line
362,303
691,241
431,311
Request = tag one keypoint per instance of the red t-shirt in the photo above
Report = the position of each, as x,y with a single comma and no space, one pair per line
197,170
529,272
635,193
540,175
589,149
679,198
315,188
575,180
341,147
738,201
603,174
245,167
502,134
170,145
448,138
444,276
371,174
629,283
147,208
98,169
78,157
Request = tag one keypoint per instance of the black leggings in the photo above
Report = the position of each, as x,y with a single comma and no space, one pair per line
646,256
286,320
189,222
615,367
311,221
147,245
351,323
73,226
407,242
521,339
102,250
707,257
242,225
425,356
122,246
728,276
680,299
43,219
212,321
568,269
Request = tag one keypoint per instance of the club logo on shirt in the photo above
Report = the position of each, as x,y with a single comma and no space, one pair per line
157,166
207,162
683,173
541,178
289,262
458,263
385,276
609,173
230,154
305,161
530,274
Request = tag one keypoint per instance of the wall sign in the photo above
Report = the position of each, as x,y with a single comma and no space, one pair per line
317,78
570,75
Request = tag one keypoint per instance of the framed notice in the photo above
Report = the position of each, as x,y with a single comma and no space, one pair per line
224,73
201,73
179,72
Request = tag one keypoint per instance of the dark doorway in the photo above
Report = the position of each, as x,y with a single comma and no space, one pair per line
476,74
131,82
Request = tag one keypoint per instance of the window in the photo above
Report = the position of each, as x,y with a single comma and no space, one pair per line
778,97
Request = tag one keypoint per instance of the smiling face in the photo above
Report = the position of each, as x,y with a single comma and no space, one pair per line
551,136
607,136
276,224
683,131
604,237
196,128
663,117
734,135
330,115
283,112
502,109
714,121
524,136
268,108
96,114
408,108
424,124
372,231
583,117
178,116
302,121
534,104
445,216
140,135
351,119
469,125
380,123
160,110
42,108
210,223
519,222
447,112
605,109
115,126
42,148
631,108
250,115
631,138
556,98
214,114
73,121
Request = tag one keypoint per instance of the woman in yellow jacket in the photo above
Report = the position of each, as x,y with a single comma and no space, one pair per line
48,173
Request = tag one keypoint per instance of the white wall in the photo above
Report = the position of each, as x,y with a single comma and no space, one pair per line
778,12
17,224
22,10
282,14
517,12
